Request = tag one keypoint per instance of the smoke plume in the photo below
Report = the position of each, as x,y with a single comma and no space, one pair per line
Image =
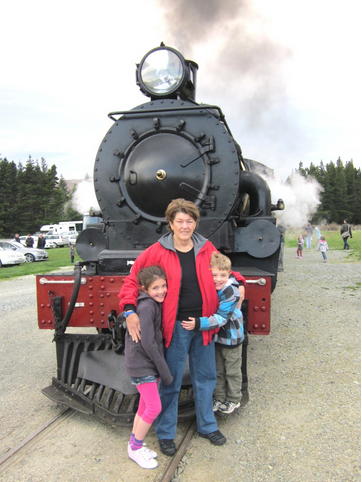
301,197
246,64
84,198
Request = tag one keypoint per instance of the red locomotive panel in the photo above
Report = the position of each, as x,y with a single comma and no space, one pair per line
259,296
98,297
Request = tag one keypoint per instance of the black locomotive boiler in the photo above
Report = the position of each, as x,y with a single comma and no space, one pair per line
170,147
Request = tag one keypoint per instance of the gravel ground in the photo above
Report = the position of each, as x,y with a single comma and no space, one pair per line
302,421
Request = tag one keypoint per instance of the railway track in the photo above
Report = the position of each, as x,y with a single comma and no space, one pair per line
24,448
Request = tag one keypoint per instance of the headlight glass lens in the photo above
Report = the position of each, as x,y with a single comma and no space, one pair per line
162,72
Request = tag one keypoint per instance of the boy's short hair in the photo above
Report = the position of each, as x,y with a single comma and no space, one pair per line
220,261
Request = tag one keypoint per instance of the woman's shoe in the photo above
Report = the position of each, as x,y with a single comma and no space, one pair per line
167,447
216,438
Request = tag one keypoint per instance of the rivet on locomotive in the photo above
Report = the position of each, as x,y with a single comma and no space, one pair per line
170,147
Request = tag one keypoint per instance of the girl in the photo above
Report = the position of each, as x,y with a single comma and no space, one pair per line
300,246
323,247
145,362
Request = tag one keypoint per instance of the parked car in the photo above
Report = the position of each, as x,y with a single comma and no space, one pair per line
31,254
57,239
10,257
72,239
48,242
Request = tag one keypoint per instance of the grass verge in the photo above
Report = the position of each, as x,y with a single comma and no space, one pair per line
58,257
334,241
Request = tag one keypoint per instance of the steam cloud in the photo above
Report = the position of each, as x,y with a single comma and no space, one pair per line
301,198
246,65
84,197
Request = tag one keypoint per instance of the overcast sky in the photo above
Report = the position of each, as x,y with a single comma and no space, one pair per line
286,74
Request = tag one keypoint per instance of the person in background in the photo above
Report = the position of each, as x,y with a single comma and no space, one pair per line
228,340
323,247
185,257
346,232
29,242
71,253
41,242
317,233
300,244
282,229
309,233
145,362
17,238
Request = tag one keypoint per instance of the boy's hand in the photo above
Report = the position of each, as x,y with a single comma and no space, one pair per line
188,325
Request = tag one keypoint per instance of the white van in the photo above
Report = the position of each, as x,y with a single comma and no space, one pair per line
63,226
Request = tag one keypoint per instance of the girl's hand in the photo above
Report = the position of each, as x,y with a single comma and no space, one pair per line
188,325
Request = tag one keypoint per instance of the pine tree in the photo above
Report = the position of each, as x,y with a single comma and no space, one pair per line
8,192
341,195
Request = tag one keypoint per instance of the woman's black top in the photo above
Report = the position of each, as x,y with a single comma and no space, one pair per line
190,300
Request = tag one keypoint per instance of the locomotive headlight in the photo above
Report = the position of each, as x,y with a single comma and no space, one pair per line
163,72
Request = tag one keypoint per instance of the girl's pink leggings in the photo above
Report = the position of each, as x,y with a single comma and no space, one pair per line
150,403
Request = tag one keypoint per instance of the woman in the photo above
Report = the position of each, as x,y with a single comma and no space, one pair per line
345,233
185,257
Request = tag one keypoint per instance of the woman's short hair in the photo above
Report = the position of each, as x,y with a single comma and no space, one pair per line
146,276
182,206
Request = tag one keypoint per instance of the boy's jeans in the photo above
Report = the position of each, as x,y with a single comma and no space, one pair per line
203,374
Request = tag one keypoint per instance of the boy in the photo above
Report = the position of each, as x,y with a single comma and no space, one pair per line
228,341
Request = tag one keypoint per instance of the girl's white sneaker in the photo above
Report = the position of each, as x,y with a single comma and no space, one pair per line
142,458
151,453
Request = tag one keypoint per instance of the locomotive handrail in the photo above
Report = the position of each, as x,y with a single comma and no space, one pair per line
44,281
260,281
171,109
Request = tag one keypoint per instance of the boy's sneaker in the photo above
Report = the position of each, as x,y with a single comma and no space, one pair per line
216,404
228,407
142,458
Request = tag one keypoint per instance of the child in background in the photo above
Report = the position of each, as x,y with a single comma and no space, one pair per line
145,362
323,247
71,253
300,246
228,341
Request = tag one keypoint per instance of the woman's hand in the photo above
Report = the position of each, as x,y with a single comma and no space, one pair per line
242,296
134,328
188,325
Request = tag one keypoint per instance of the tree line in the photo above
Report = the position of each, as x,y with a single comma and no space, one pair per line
341,194
34,195
31,196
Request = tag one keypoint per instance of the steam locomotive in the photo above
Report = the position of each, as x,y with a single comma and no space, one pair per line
170,147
